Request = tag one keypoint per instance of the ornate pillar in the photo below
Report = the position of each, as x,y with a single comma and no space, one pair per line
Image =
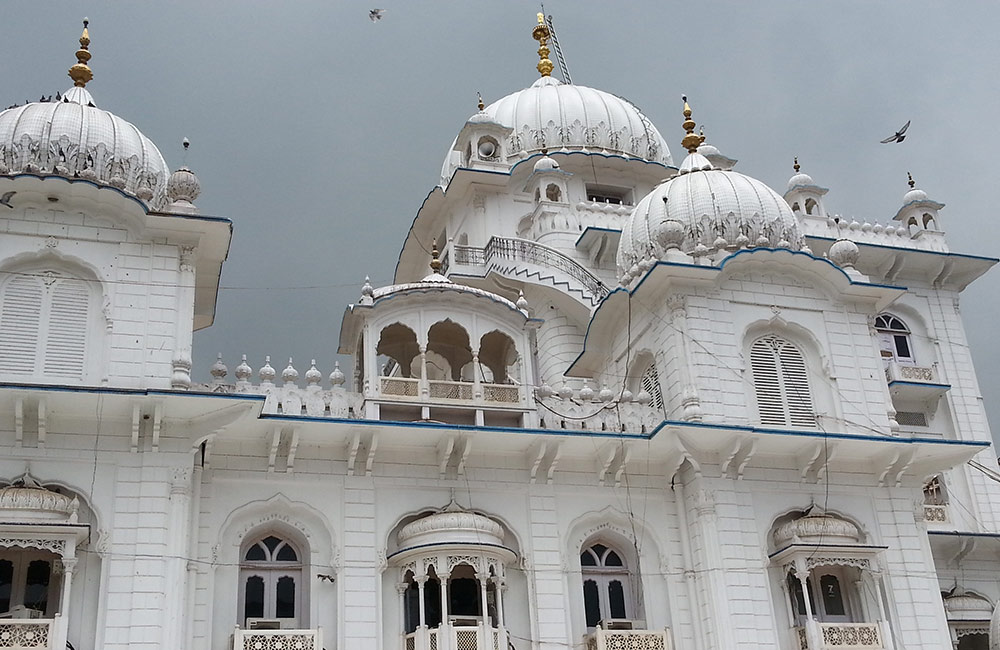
401,588
424,387
500,587
690,402
477,384
482,578
421,580
181,364
813,635
883,623
443,578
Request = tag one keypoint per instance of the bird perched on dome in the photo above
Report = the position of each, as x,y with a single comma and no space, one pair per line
898,136
376,14
5,199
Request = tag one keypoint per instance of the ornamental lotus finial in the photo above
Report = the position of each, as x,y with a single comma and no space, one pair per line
795,165
542,33
81,73
691,142
435,262
910,180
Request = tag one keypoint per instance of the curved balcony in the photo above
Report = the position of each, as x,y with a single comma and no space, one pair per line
840,636
278,639
537,262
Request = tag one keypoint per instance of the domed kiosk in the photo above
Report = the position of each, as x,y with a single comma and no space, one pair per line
70,136
452,579
703,210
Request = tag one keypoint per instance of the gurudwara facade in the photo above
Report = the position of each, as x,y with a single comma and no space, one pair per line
614,399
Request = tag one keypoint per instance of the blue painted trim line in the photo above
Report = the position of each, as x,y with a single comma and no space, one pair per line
622,435
129,391
959,533
900,382
915,250
434,544
594,229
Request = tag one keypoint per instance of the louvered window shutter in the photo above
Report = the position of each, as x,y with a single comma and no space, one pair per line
44,322
20,322
781,382
66,340
651,384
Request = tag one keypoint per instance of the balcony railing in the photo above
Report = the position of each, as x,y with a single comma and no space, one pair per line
913,382
408,388
629,640
841,636
278,639
454,637
26,634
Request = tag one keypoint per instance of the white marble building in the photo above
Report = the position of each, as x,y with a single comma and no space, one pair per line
635,402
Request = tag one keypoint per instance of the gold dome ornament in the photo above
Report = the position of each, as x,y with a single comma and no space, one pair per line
542,33
81,73
691,141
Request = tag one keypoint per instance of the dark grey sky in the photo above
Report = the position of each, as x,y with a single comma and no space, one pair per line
319,133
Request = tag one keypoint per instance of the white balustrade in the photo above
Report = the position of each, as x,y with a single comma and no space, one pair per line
603,639
26,634
278,639
842,636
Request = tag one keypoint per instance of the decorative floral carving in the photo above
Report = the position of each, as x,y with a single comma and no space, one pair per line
25,635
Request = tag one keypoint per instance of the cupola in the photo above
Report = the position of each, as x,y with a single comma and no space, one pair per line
918,213
803,195
547,181
700,211
70,136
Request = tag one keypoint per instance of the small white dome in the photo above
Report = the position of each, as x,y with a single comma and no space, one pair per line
74,138
557,116
914,195
817,528
701,208
545,164
798,180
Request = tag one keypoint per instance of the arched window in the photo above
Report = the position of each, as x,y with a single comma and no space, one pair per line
607,584
781,382
45,323
27,581
271,582
553,193
811,206
893,338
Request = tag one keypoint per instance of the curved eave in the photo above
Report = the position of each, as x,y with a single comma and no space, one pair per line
924,203
815,188
609,316
944,268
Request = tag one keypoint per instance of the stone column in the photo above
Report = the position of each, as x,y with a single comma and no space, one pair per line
181,364
813,635
424,387
477,384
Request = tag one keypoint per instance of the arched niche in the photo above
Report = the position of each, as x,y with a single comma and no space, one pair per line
451,341
399,343
498,353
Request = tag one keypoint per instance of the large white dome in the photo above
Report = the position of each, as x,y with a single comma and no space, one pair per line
71,137
557,116
703,209
74,138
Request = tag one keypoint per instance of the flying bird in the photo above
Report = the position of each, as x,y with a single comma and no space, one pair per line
5,199
898,135
376,14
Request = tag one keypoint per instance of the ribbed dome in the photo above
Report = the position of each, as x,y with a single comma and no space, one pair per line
75,139
563,117
702,209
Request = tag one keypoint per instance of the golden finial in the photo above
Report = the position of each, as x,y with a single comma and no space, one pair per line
435,262
481,104
796,165
909,176
81,73
691,142
541,33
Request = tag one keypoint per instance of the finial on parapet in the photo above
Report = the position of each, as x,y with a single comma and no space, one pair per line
481,104
691,141
542,33
81,73
910,180
435,261
795,166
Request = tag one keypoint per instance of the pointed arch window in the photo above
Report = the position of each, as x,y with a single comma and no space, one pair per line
607,584
45,324
781,383
894,338
650,382
271,581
